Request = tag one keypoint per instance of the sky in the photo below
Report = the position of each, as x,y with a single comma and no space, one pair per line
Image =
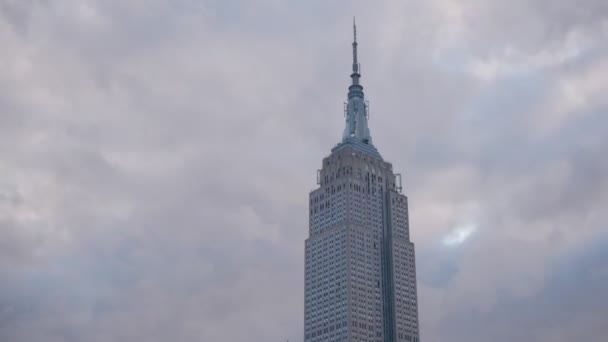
156,158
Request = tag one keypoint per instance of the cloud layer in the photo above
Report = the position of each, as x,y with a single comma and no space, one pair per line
156,158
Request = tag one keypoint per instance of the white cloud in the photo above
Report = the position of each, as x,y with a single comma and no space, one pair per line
459,234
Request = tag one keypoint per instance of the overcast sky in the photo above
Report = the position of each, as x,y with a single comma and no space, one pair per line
156,158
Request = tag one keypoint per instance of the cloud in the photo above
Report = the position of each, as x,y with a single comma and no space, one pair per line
156,158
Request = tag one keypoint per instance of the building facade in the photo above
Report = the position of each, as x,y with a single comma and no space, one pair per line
360,270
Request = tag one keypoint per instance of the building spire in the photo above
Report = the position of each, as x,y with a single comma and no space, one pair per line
356,108
355,63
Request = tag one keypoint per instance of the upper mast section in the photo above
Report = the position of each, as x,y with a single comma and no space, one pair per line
355,76
356,107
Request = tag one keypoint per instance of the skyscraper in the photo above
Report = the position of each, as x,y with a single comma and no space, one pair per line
360,273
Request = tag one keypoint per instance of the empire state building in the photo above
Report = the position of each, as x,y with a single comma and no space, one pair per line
360,274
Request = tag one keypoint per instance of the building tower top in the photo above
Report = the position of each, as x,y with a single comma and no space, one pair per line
356,110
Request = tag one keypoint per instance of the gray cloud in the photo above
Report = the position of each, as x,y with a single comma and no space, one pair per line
156,159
